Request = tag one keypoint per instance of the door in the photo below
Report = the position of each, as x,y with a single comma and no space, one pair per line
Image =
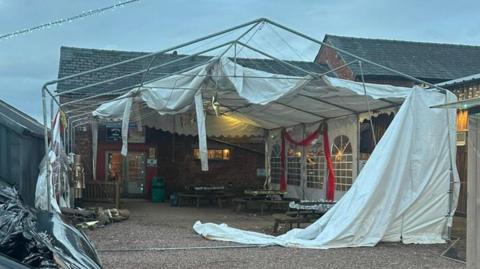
135,179
129,171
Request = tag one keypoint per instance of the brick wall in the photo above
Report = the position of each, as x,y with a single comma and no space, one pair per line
181,169
330,57
176,162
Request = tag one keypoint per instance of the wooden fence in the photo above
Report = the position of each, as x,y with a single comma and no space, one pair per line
102,191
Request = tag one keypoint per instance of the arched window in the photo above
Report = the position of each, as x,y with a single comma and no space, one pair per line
315,164
294,169
342,160
275,164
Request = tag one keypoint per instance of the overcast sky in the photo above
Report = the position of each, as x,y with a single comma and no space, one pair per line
27,61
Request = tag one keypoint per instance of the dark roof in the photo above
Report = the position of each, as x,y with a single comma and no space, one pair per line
429,61
19,121
76,60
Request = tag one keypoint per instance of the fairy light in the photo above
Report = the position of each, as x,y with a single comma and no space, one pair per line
65,20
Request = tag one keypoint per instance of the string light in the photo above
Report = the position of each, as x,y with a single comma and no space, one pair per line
65,20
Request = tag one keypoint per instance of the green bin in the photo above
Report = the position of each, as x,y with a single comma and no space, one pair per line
158,189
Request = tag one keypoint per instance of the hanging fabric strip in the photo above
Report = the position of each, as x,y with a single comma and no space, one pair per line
125,125
202,134
328,158
94,148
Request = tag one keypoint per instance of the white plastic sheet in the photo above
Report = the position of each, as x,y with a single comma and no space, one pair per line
402,193
261,99
202,135
52,176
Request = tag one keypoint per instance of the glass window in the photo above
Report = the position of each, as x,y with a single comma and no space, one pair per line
342,161
294,157
214,154
316,165
275,164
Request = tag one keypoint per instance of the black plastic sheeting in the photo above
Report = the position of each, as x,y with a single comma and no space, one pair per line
40,239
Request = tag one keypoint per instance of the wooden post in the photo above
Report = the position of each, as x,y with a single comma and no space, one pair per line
117,194
473,194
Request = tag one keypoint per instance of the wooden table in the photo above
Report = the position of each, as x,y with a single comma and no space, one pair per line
219,197
305,212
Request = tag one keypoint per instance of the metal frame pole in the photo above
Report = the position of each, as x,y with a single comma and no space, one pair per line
442,90
158,52
368,105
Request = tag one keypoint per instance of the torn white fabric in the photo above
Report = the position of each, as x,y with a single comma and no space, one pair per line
402,193
202,134
125,123
53,177
184,124
256,97
376,91
44,182
247,82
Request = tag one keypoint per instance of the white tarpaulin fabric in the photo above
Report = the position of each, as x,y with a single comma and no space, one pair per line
171,95
402,193
202,136
263,99
185,124
52,174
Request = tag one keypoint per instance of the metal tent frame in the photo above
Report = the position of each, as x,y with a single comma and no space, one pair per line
78,111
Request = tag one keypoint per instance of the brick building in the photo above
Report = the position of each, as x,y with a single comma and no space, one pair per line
235,161
454,67
465,88
431,62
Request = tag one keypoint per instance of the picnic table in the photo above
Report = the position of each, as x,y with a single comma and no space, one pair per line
199,193
302,212
263,199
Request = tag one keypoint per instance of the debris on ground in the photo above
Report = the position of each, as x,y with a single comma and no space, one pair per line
94,217
40,239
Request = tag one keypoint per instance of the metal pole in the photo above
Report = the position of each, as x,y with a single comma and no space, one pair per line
442,90
452,180
140,72
368,105
281,61
45,133
158,52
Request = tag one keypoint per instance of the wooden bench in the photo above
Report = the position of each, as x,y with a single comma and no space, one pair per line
270,205
289,219
197,197
239,203
273,205
190,196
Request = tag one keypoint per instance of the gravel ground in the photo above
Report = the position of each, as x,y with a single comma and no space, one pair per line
161,226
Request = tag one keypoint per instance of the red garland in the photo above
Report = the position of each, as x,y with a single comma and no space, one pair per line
305,142
328,158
